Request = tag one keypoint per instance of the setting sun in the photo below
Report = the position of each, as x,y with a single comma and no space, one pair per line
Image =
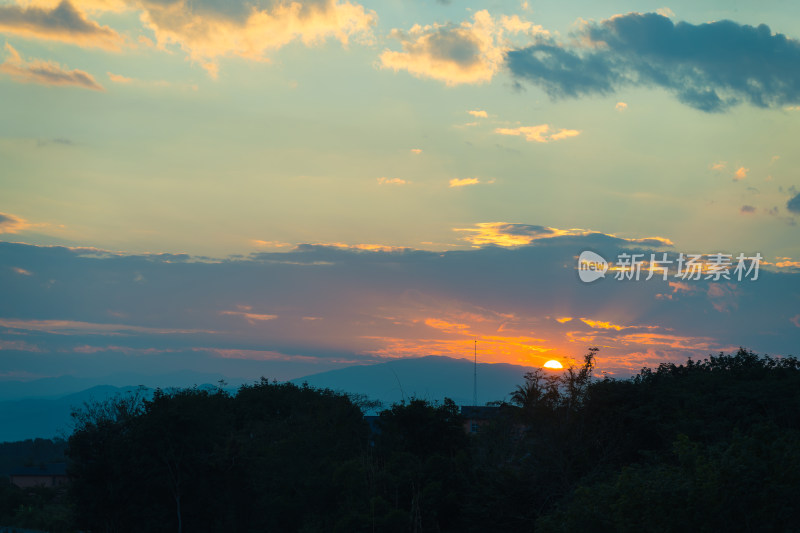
553,364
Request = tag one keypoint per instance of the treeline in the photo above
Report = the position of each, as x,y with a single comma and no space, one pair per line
712,445
709,446
31,452
37,508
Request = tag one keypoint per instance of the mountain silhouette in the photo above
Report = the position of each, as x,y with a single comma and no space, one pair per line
431,378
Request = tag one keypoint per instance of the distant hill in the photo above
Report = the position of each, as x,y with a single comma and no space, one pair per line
431,378
60,386
41,408
47,417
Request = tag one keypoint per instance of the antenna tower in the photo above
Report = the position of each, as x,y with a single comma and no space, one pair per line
475,377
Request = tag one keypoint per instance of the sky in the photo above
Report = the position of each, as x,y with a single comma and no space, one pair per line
281,188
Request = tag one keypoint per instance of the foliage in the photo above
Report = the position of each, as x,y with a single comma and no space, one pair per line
706,445
746,483
31,452
37,508
420,467
202,460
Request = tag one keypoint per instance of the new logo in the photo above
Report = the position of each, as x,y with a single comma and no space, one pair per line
591,266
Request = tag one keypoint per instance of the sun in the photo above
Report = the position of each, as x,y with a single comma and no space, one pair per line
553,364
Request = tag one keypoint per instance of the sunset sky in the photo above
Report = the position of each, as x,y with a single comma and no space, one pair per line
280,188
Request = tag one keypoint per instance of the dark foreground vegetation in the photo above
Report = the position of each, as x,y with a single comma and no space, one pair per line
37,507
704,446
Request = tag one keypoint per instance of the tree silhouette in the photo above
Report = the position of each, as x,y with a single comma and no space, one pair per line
705,445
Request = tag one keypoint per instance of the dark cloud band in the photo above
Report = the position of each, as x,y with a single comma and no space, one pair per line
794,204
710,67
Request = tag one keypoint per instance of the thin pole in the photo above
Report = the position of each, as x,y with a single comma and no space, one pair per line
475,377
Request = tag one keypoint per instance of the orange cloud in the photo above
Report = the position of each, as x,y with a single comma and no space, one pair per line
420,324
740,174
541,133
258,355
456,182
89,6
62,23
365,247
472,52
680,286
271,244
117,78
511,234
127,350
672,341
478,113
722,296
45,72
514,24
11,223
124,80
18,345
516,350
209,31
597,324
391,181
252,318
67,327
447,327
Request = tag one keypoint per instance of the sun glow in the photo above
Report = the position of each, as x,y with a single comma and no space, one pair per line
553,364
